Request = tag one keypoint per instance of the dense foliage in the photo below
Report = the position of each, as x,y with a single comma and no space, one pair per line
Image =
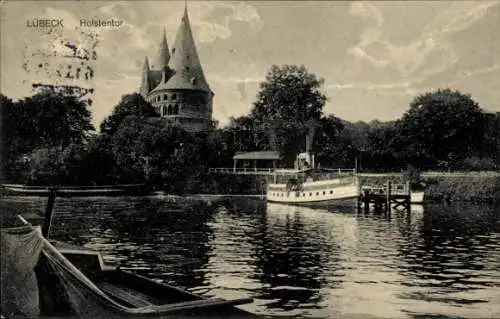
131,104
48,138
39,128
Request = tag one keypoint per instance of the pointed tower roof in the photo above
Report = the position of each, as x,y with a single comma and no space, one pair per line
185,63
145,81
163,55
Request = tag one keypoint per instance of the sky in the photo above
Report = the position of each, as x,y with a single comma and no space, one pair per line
375,57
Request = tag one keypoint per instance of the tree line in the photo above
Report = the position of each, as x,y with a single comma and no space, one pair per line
48,138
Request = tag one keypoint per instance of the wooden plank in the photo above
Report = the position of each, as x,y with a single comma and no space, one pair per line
200,304
135,299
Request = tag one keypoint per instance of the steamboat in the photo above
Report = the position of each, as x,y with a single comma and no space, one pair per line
307,184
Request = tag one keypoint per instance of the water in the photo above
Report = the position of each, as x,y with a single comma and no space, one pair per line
436,261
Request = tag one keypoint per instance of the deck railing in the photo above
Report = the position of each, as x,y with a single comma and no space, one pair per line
396,189
241,170
270,171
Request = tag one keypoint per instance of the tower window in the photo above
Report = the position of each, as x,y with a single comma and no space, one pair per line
176,108
165,97
170,109
174,96
164,110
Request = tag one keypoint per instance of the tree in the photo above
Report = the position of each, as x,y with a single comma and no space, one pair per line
47,167
382,146
289,100
246,134
91,163
491,134
331,151
54,120
219,148
442,126
155,150
131,104
10,141
46,120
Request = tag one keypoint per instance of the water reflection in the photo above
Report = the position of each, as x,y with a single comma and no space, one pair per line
293,254
452,257
331,262
162,240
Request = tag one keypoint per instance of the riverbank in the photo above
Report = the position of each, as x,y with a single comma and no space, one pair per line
476,187
72,191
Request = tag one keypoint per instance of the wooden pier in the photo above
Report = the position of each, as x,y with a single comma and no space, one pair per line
382,198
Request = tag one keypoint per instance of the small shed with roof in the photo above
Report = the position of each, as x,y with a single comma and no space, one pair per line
257,159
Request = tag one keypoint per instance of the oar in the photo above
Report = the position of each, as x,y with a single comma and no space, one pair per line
48,213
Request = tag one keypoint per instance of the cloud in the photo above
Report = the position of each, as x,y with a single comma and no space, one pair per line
367,86
242,91
462,75
431,52
69,18
366,10
121,8
210,20
459,16
213,19
361,53
233,79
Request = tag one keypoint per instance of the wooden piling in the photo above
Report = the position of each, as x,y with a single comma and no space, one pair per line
48,213
382,198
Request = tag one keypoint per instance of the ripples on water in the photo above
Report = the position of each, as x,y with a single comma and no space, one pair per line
444,261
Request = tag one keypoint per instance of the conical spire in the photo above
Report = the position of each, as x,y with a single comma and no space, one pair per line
145,83
163,55
185,63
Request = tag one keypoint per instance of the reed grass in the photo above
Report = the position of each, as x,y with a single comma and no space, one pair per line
466,188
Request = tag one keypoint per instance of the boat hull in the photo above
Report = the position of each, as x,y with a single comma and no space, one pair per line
140,291
320,192
417,197
40,191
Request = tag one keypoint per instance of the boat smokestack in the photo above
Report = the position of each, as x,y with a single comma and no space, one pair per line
311,132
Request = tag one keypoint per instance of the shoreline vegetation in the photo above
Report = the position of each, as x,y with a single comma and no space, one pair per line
49,139
474,187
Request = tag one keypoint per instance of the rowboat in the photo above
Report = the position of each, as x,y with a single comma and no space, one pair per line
73,281
46,278
74,191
